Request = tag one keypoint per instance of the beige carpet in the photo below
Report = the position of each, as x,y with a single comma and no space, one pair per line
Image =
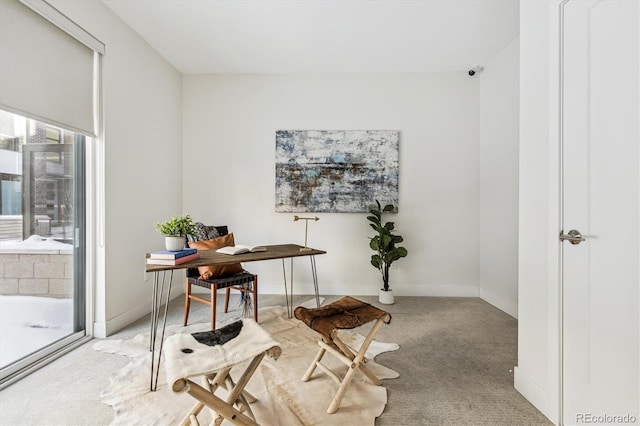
283,399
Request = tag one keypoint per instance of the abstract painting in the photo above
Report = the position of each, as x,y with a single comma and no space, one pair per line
336,171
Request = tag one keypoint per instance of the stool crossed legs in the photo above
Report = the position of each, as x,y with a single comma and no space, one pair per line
345,313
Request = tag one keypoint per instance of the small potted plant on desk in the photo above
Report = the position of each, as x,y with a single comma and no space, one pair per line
175,231
385,248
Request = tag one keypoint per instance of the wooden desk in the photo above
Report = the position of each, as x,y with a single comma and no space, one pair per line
211,257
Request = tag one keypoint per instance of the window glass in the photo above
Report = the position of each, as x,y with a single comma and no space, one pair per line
42,183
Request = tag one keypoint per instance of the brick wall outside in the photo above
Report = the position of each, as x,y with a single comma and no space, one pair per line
36,274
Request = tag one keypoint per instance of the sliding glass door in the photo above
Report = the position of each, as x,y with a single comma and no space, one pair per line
42,241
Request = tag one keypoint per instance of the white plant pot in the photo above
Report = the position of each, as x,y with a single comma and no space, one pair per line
174,243
386,297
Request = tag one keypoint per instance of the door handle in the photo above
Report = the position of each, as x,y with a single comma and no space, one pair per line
573,236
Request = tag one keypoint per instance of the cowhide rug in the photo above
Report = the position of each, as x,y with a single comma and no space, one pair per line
283,399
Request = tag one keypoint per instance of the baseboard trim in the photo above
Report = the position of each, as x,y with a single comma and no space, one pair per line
103,330
372,290
506,306
534,393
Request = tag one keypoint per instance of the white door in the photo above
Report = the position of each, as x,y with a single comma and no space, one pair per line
600,191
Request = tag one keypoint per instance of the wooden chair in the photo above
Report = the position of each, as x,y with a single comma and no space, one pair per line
245,282
345,313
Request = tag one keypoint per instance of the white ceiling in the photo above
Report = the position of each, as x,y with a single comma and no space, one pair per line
267,36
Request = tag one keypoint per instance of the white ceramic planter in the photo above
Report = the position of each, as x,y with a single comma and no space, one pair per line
174,243
386,297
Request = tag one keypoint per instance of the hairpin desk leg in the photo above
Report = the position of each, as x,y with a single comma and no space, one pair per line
290,305
314,273
286,293
156,303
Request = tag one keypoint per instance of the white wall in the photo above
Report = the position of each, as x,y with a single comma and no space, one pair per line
229,174
230,121
537,373
498,185
142,112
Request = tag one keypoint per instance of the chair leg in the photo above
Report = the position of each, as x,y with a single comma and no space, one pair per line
226,299
255,298
187,301
214,301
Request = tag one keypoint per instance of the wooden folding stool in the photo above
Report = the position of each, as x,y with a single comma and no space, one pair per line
211,355
345,313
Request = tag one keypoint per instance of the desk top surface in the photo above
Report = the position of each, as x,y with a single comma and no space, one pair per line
211,257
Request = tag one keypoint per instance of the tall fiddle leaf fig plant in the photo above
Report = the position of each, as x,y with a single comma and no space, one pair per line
384,243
